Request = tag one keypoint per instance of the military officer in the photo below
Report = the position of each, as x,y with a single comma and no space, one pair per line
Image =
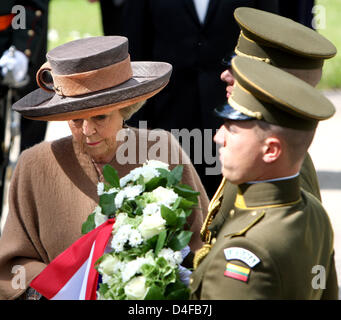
276,234
287,45
290,46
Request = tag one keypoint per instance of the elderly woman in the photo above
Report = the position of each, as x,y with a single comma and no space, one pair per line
92,84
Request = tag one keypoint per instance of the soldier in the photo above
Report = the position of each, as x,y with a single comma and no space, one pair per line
287,45
277,233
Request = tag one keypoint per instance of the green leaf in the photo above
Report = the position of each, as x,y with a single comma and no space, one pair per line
151,243
181,219
175,176
187,192
180,240
155,182
186,204
129,206
177,291
154,293
175,205
160,241
111,176
89,224
169,215
107,203
103,288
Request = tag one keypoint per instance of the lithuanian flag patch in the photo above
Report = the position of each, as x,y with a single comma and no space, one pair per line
237,272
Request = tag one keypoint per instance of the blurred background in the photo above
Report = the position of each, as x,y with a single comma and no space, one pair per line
86,21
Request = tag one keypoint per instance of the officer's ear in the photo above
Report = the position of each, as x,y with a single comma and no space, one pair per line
272,149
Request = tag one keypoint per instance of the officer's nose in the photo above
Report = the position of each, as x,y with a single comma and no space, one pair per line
219,137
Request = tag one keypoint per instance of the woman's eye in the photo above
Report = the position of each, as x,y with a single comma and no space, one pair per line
77,122
100,117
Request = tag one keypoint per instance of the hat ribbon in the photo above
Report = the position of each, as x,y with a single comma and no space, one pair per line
85,82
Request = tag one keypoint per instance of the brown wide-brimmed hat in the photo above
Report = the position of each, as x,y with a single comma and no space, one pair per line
91,76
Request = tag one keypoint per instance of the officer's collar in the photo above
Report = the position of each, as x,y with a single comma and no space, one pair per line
274,193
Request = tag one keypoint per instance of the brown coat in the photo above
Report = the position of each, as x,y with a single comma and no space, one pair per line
52,192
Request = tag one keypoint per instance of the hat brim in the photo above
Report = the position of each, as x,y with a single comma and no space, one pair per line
228,112
148,79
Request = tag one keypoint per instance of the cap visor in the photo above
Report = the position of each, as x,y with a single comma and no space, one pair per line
227,112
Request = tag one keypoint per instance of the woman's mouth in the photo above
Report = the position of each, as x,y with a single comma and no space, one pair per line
93,143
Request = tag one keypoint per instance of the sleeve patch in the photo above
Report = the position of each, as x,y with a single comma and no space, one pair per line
237,272
241,254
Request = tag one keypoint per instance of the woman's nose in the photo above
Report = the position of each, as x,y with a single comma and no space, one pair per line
88,128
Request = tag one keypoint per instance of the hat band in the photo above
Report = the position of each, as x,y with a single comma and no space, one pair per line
282,59
85,82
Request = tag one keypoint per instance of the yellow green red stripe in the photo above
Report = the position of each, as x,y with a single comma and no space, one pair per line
237,272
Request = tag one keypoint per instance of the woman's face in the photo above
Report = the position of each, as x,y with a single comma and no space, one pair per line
97,135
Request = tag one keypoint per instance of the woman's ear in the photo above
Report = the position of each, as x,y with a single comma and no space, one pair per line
272,149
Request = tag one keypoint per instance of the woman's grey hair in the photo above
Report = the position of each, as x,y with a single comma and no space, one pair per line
127,112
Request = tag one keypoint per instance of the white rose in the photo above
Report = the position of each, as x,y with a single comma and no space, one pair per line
136,289
157,164
151,225
164,196
132,267
99,217
108,264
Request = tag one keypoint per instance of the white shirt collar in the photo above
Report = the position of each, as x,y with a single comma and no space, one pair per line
201,8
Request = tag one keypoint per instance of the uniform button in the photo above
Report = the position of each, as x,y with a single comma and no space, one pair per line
30,33
214,240
232,212
28,52
253,213
191,280
38,13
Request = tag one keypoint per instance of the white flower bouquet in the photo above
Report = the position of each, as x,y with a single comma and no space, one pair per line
143,257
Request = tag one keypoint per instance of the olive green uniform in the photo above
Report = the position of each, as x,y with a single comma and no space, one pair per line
275,222
271,239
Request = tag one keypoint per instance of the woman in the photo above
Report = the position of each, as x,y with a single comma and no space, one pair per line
95,87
